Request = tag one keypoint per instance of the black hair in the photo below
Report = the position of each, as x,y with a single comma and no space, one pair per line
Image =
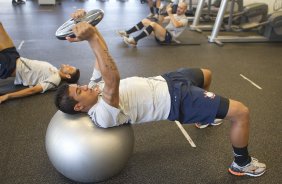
74,77
63,101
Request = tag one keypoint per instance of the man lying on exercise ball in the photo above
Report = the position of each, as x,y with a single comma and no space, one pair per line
174,96
38,75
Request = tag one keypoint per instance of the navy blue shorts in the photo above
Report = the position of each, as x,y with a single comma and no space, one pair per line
167,40
189,102
8,58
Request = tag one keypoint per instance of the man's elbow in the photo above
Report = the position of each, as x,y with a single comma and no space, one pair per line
36,90
115,79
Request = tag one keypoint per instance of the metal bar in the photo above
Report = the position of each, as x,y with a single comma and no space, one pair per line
238,39
197,15
190,5
209,7
218,21
230,19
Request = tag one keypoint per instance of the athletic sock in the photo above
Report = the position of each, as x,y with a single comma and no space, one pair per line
145,32
241,156
137,27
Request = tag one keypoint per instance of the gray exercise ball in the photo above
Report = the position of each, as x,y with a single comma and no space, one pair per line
83,152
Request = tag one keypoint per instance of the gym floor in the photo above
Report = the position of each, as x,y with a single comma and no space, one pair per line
161,153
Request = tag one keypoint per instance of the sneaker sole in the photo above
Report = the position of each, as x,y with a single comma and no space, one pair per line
201,126
217,122
133,45
121,35
244,174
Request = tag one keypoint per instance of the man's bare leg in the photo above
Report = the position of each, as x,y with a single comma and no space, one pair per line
207,79
149,27
243,164
158,30
238,114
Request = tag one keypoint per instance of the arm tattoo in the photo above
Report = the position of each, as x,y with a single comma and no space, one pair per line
110,64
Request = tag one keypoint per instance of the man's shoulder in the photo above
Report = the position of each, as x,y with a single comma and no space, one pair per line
53,81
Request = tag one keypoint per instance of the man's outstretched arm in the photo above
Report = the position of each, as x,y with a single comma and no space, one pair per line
22,93
78,14
108,68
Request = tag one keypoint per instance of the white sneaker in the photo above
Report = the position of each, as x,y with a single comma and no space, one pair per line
254,168
129,41
215,123
122,33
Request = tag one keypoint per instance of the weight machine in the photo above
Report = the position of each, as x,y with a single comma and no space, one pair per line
270,29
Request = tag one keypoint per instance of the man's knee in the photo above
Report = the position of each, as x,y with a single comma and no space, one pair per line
159,30
207,73
153,24
146,22
207,78
244,111
238,110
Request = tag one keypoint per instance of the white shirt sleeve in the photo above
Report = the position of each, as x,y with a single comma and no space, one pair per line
52,82
105,116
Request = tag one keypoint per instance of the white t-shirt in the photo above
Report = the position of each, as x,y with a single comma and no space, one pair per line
33,72
140,100
176,31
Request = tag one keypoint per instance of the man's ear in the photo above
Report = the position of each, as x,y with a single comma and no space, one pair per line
78,107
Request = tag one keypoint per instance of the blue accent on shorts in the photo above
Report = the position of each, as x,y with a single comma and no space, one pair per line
8,58
167,40
189,102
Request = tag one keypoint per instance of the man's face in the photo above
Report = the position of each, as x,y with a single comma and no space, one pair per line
67,69
181,9
85,96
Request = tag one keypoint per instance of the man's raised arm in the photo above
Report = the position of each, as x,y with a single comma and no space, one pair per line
108,68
